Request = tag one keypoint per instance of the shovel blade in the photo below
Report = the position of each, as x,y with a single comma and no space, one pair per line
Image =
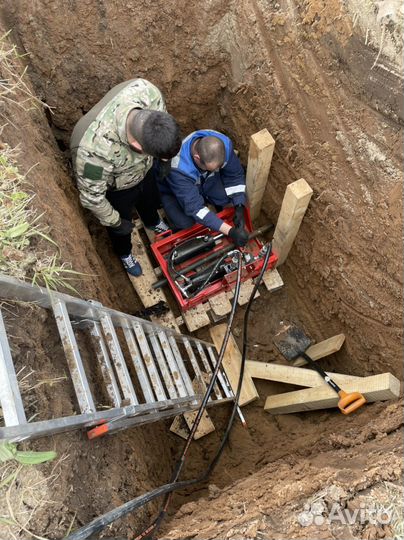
291,341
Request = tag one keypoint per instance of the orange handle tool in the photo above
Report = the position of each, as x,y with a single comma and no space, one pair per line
350,402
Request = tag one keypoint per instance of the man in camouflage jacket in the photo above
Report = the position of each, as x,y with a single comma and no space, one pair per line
113,147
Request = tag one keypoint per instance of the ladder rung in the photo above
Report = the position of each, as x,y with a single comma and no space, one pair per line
181,366
148,360
101,352
118,359
173,364
172,392
139,366
72,353
208,368
10,397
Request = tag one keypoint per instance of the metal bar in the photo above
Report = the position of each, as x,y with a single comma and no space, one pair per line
208,368
118,359
173,366
101,352
139,366
74,362
172,392
149,361
10,397
181,366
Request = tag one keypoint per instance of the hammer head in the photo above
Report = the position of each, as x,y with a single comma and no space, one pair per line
291,341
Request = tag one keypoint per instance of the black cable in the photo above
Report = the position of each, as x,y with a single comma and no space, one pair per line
101,522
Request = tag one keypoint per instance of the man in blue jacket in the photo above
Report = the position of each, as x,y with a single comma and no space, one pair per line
205,171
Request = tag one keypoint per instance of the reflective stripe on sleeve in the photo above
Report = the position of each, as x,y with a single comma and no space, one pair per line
202,212
235,189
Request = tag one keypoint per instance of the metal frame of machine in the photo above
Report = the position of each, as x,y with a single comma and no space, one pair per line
181,279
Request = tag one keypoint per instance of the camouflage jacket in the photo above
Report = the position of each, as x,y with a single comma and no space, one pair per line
102,157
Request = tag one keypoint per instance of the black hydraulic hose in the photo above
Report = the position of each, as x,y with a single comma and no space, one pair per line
214,255
152,529
103,521
98,524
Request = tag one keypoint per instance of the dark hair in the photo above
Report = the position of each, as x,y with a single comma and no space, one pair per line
161,136
211,150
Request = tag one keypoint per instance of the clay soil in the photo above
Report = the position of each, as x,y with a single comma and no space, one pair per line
305,70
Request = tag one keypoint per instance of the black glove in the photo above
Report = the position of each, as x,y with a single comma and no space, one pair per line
163,168
123,228
238,218
239,236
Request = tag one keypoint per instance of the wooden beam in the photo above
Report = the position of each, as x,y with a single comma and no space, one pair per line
220,305
272,280
260,154
294,205
232,364
376,388
293,375
324,348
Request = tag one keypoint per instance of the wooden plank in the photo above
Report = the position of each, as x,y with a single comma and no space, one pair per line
376,388
272,280
260,154
143,283
293,375
196,318
246,289
232,363
294,205
220,304
180,427
324,348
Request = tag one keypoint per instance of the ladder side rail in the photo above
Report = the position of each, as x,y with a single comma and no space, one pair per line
10,396
43,428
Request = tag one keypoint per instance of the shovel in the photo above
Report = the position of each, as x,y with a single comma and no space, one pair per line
292,342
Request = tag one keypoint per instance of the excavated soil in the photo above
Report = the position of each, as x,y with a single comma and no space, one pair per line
307,72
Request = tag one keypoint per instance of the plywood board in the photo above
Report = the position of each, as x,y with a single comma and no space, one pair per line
375,388
232,364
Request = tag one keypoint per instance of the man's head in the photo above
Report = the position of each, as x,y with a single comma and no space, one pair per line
209,153
154,133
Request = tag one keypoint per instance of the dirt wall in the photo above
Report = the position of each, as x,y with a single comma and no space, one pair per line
303,70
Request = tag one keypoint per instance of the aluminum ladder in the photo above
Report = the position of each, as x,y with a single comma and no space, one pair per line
146,380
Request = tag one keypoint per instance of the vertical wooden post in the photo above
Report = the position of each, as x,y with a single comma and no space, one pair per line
294,205
259,162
